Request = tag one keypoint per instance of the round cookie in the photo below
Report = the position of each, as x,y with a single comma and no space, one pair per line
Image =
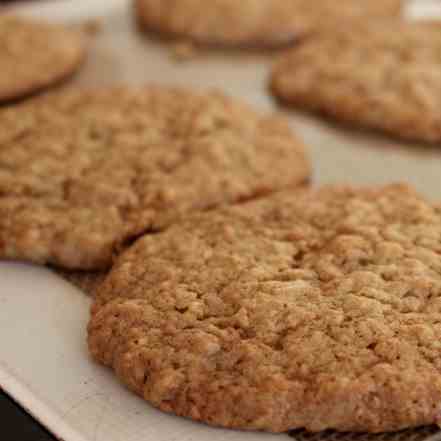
316,309
35,55
84,172
384,75
255,23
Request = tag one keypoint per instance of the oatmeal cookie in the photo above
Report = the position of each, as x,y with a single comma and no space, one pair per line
316,309
82,173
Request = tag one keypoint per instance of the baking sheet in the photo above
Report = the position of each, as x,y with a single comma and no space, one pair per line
43,356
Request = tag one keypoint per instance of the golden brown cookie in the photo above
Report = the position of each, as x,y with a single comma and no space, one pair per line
384,75
35,55
84,172
317,309
258,23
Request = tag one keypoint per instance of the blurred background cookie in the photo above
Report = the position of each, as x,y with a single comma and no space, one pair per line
251,23
384,75
36,55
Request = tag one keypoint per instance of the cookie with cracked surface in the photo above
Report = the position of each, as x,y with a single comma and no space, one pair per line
84,172
317,309
251,23
381,75
36,55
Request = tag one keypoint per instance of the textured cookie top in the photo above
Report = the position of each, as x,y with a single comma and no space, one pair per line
83,172
35,55
382,75
316,309
260,23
